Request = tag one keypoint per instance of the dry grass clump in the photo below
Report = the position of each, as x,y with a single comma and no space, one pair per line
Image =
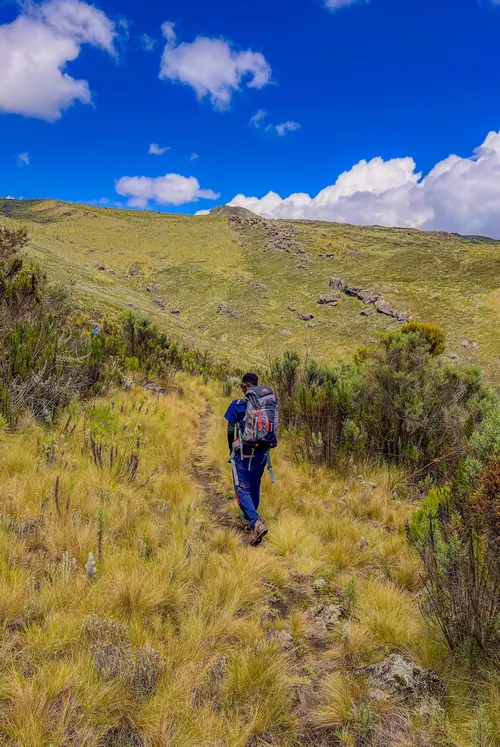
182,634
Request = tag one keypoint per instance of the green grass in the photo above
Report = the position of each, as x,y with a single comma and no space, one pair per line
197,262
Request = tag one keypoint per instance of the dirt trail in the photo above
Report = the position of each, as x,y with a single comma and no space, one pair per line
206,479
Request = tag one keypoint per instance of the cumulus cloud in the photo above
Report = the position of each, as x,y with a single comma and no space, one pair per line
285,127
23,159
212,67
157,150
171,189
35,49
459,195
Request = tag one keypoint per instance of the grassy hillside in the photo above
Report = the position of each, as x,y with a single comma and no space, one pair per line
192,264
183,635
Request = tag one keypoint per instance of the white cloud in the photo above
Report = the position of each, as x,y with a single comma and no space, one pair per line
23,159
148,43
258,117
157,150
336,4
212,67
193,157
459,194
285,127
202,212
171,189
34,51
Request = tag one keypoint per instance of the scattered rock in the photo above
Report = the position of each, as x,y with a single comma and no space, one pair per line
152,289
285,333
159,301
367,312
101,268
292,308
329,298
452,357
224,310
301,267
352,252
399,677
337,284
254,284
465,344
175,312
310,325
305,317
134,271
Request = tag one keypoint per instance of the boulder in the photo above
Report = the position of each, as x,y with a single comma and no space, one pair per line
329,298
367,312
398,677
337,284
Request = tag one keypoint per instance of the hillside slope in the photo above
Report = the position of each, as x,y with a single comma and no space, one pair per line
230,281
182,634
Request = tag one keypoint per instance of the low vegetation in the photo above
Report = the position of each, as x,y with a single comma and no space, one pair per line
128,614
119,259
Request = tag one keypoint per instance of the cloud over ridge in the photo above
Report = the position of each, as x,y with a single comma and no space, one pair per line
459,195
171,189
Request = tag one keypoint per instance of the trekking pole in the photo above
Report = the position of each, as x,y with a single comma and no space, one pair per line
270,468
235,471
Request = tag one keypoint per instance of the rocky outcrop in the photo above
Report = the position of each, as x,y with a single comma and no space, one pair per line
398,677
279,238
369,297
337,284
329,298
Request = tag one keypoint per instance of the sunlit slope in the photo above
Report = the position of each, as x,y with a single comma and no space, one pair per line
192,264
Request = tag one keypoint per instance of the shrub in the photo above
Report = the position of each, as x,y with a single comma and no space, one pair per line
457,534
393,402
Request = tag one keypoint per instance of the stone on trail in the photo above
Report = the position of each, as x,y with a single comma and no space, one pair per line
401,678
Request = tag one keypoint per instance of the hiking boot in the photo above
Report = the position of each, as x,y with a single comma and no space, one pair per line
259,532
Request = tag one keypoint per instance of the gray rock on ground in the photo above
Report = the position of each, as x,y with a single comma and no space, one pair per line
401,678
329,298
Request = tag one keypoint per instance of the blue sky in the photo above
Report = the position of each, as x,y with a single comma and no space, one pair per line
390,80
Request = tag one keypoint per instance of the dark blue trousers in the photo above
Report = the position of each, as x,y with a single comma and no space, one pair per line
250,473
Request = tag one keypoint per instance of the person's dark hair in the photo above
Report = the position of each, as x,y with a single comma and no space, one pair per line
251,378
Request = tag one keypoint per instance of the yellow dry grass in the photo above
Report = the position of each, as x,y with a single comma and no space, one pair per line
176,640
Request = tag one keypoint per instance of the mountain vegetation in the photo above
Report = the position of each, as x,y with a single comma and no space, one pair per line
133,611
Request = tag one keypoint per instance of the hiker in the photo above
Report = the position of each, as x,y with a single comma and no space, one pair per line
251,432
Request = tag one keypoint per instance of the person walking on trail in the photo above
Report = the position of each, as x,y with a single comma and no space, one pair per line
252,431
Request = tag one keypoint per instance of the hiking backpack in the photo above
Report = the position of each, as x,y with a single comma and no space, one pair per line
261,418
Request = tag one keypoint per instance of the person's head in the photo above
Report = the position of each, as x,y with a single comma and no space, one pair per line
249,381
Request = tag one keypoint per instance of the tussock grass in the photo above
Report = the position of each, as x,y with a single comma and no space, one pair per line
186,636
